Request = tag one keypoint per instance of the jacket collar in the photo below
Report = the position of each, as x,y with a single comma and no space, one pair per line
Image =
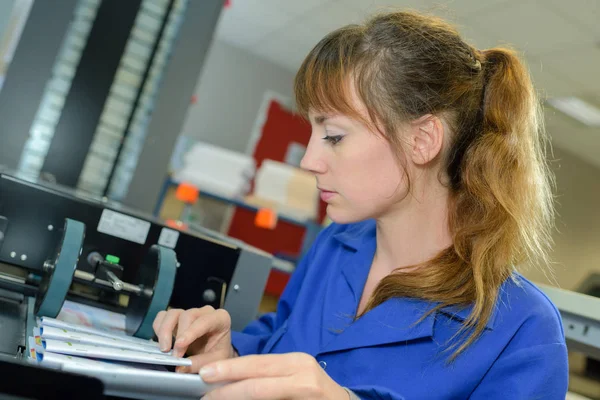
354,236
396,320
361,238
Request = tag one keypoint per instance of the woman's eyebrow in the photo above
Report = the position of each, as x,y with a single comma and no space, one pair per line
320,119
337,120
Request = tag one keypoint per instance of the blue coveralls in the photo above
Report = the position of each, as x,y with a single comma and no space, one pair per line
384,355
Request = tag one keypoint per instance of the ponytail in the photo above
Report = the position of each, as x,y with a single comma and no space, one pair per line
501,209
503,214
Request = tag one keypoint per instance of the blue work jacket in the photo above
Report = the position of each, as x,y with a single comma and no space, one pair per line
385,355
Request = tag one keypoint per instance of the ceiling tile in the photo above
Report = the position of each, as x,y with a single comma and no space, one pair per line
336,14
463,8
454,11
296,7
580,64
585,13
260,12
247,21
282,52
557,37
473,35
373,6
530,27
443,8
570,135
288,47
304,34
550,82
234,29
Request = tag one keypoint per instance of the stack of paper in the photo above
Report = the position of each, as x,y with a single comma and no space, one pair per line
291,190
128,366
92,317
216,170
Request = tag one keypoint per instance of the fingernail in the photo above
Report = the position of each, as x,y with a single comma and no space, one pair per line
164,347
208,372
181,370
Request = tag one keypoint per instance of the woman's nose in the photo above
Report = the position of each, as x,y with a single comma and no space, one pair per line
312,162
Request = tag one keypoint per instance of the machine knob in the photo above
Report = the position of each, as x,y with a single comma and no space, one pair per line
209,296
94,258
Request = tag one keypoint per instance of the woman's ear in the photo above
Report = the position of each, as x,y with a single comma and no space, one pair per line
426,139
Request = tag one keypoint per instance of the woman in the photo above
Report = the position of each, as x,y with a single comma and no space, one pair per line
430,155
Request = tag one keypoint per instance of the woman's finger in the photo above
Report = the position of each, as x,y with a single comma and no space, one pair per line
209,322
256,366
200,360
189,316
167,328
185,320
256,389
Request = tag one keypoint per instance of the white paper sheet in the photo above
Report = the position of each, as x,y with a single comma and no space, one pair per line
45,321
67,335
108,353
92,317
124,372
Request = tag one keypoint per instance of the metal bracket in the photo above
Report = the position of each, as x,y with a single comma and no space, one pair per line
3,229
581,319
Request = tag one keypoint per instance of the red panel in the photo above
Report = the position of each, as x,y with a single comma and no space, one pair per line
280,129
285,238
276,282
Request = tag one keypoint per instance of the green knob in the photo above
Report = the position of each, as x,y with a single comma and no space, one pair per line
112,259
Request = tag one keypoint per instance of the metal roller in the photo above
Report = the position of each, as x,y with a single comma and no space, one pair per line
156,278
149,294
58,272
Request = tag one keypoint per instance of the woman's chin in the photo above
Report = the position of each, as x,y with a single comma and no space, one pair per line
340,215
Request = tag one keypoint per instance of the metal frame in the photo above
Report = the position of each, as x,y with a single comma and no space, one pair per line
581,319
247,286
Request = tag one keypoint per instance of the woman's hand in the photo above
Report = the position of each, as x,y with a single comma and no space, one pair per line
271,377
204,334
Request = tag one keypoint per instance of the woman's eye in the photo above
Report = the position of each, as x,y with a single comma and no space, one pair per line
333,139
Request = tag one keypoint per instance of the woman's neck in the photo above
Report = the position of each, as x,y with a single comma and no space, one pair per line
415,231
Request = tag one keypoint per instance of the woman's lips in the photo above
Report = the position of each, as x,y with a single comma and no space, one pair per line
326,195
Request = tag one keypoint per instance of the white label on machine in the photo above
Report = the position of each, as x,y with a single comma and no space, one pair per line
168,238
123,226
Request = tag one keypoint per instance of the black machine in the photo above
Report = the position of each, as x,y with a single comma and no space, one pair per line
57,244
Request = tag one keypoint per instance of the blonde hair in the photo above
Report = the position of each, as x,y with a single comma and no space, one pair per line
404,65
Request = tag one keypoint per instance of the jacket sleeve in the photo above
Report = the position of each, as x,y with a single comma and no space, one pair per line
537,372
255,335
534,364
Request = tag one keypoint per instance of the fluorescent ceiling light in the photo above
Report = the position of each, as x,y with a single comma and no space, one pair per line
578,109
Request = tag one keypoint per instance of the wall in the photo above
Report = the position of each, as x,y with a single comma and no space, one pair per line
5,11
577,240
13,16
229,94
188,57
